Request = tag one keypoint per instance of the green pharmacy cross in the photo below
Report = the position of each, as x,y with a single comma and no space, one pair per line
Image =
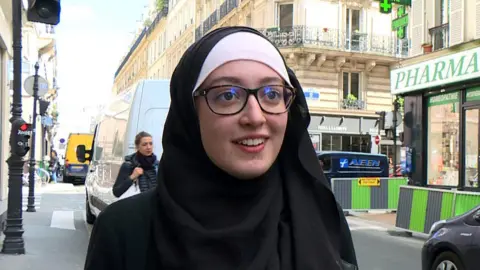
400,23
385,6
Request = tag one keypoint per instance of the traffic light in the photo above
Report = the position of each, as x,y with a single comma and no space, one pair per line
44,11
381,120
21,133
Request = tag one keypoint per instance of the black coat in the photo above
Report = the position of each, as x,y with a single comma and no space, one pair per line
145,182
122,237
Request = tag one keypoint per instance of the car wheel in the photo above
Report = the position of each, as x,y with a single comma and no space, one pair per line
89,217
447,261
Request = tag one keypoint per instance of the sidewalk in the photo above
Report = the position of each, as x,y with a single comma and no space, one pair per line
48,247
385,218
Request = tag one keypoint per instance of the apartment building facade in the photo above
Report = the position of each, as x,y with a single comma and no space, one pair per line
340,50
442,93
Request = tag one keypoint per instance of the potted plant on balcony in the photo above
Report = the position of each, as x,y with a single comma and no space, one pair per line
427,47
350,102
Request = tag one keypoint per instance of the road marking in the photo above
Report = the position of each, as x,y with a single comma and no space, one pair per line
63,220
356,224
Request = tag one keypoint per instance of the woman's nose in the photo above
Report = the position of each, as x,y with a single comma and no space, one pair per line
252,113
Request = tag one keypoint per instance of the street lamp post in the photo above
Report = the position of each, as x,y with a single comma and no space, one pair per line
13,242
31,179
395,121
42,11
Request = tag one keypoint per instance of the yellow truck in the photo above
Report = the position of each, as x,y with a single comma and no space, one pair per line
74,170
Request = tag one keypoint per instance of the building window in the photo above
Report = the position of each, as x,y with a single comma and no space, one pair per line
352,29
351,84
443,139
351,91
285,16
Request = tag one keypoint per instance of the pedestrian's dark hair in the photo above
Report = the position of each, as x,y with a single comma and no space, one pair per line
140,136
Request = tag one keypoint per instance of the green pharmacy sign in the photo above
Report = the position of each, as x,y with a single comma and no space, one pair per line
443,99
400,23
436,72
387,5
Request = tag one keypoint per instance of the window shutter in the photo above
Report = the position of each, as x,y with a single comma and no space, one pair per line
457,24
477,19
416,21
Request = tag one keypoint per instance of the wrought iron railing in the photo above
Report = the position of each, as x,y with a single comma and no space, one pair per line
440,36
298,36
225,8
350,104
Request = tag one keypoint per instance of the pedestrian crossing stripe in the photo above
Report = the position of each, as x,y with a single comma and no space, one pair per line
357,224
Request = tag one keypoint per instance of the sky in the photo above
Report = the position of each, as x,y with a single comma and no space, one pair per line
92,37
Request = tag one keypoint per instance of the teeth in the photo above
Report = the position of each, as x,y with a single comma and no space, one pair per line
252,142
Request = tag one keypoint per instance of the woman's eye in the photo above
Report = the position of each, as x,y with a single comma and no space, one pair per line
271,93
228,95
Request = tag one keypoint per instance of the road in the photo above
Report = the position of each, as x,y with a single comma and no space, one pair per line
56,237
378,250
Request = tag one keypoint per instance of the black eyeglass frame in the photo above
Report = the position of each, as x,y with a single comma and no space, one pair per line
249,91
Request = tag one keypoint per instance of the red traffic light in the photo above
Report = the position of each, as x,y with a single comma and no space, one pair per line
24,127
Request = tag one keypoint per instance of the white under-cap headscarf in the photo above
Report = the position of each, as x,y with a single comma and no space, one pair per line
243,46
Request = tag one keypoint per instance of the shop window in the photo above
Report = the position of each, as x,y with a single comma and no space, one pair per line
315,141
331,142
471,147
443,139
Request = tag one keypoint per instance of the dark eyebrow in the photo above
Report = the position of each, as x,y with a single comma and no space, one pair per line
237,81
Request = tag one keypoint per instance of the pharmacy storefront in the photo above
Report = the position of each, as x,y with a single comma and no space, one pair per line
441,121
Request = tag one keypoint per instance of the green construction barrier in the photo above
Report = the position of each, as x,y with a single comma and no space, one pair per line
420,207
363,194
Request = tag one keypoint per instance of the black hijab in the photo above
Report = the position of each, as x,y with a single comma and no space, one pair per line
206,219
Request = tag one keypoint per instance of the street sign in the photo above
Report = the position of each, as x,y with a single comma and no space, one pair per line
389,120
62,140
369,182
42,85
377,139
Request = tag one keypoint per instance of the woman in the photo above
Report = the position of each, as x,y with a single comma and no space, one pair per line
239,184
53,164
139,168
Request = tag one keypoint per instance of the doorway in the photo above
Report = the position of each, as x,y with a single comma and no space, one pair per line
471,145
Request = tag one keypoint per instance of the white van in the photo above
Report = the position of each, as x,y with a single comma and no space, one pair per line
143,108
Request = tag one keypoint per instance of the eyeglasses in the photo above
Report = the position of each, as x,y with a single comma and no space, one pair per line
231,99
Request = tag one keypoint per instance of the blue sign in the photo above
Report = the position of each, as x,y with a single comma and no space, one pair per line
62,140
311,94
359,163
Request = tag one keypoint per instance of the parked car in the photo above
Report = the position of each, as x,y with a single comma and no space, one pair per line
454,244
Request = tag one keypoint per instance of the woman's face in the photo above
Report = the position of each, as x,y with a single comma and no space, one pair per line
245,144
145,147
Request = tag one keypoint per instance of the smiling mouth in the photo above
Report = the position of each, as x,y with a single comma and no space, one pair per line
251,142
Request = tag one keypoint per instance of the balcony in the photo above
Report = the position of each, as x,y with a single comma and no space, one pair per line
353,104
335,39
439,36
225,8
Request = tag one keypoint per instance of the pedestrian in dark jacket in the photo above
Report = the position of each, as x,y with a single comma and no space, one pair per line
239,183
139,168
